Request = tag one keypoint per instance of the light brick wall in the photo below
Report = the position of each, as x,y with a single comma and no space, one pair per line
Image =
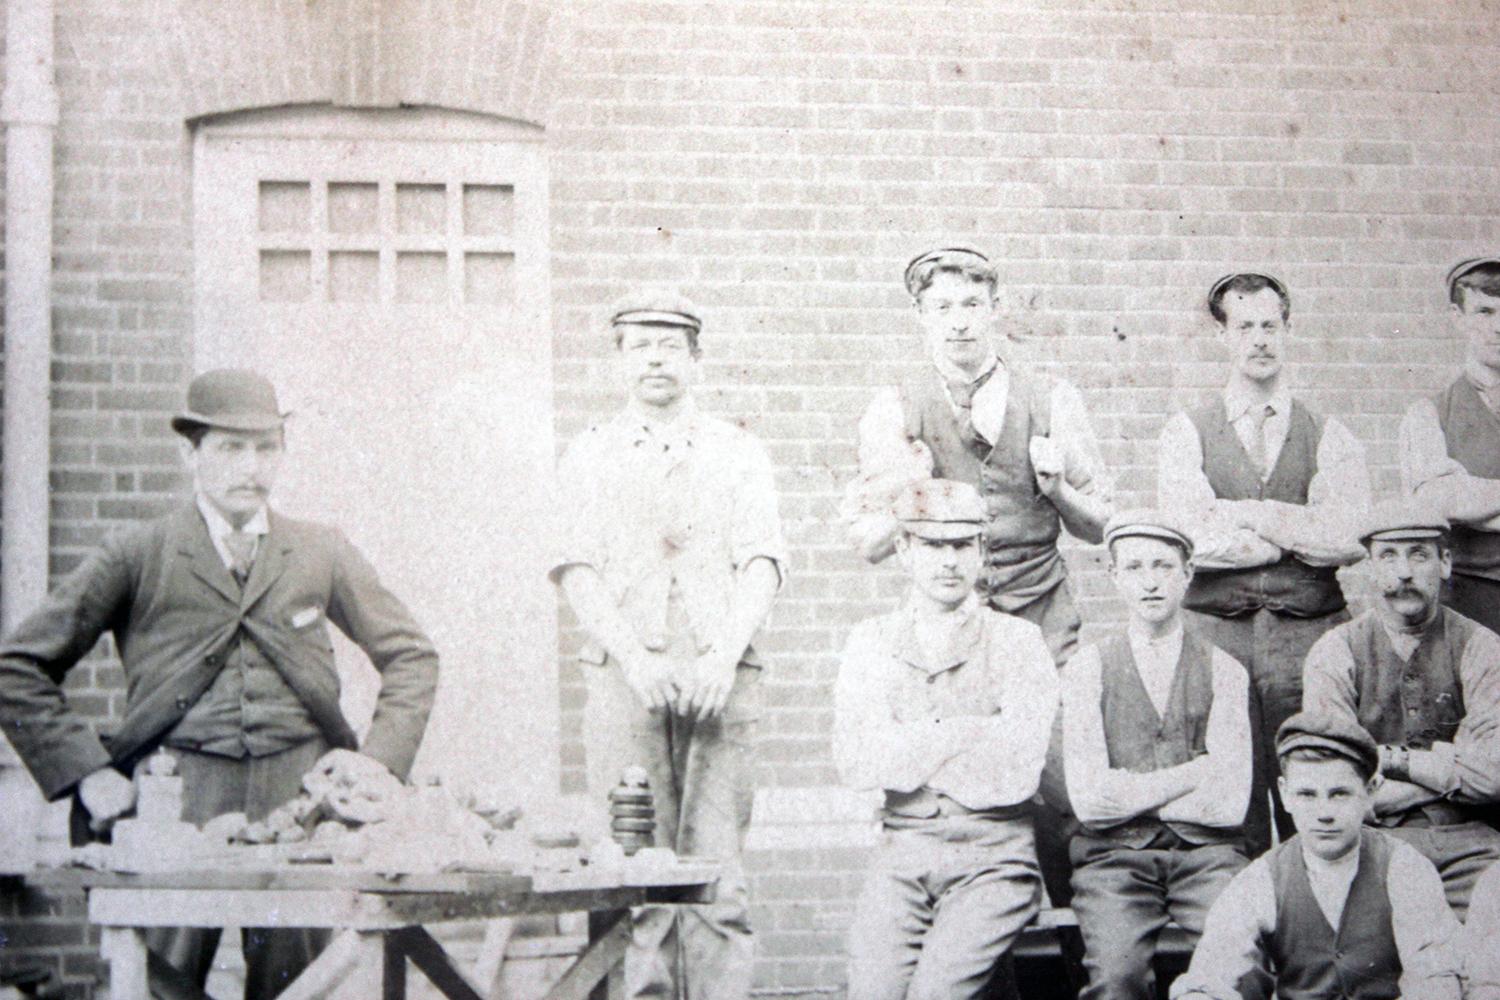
781,161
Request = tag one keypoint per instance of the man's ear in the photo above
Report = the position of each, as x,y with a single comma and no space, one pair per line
188,452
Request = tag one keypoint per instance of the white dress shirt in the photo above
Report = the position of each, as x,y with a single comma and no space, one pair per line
219,529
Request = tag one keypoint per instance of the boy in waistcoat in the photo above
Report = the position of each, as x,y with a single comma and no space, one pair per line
945,706
1425,682
1156,743
1450,445
1270,485
1338,911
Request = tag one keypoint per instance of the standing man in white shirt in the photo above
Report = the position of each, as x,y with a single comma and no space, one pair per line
671,557
1450,445
1156,742
946,707
1272,488
1339,910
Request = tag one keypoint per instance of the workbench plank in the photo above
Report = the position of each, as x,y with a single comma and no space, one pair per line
284,877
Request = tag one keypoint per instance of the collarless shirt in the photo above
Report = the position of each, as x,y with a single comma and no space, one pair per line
219,529
1156,661
667,513
1422,445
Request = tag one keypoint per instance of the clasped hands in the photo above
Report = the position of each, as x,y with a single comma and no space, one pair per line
698,689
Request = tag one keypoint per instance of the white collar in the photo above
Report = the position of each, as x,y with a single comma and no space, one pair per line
951,374
219,526
1138,634
1238,399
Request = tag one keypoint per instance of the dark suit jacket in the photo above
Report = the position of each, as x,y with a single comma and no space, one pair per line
161,589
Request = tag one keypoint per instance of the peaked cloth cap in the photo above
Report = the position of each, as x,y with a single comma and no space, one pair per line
946,256
940,509
1323,731
1147,523
1217,288
232,399
657,307
1402,520
1463,267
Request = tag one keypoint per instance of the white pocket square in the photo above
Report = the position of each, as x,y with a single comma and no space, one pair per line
305,617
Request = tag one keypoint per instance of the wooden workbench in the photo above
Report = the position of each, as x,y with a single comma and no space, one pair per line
380,920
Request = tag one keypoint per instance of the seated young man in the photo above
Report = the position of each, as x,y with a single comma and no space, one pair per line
1156,749
1340,910
945,706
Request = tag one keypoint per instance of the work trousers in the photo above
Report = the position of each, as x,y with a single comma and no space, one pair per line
1272,647
1124,896
212,786
1459,851
943,902
701,783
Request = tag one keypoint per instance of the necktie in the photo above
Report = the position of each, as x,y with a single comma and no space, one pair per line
241,545
963,400
1259,453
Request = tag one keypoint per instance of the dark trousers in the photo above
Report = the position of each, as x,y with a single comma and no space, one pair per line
1461,852
1272,647
212,786
1124,896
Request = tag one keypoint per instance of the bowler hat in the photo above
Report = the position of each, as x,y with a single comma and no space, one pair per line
231,399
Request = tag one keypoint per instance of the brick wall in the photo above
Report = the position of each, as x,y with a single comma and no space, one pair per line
781,161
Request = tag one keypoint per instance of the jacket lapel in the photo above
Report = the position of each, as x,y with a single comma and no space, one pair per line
191,540
270,562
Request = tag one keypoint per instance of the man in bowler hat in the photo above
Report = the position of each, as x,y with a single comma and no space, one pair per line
220,612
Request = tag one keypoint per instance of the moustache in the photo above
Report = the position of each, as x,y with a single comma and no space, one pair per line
1395,592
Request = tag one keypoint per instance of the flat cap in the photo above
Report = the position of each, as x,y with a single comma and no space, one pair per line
940,509
1402,519
657,307
944,257
1463,267
232,399
1146,522
1216,290
1323,731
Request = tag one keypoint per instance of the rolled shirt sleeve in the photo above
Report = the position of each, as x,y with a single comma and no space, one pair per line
577,508
1004,765
1072,430
1473,758
888,462
756,531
